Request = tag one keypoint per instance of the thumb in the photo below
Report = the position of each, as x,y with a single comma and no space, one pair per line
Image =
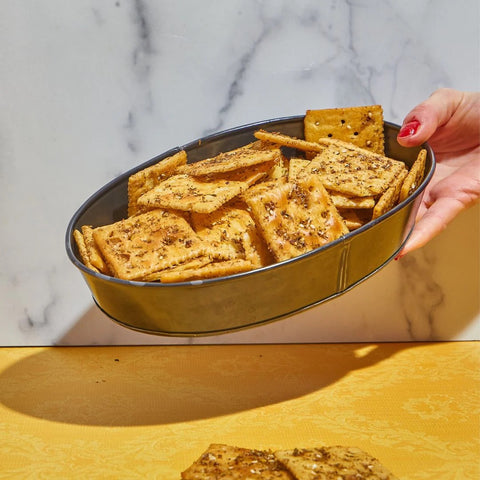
423,121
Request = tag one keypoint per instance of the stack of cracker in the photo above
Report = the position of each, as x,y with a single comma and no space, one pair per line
255,205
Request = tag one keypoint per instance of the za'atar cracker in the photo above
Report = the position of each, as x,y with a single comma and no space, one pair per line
415,176
192,194
389,198
361,126
294,217
227,462
147,178
353,171
146,243
232,232
232,160
332,462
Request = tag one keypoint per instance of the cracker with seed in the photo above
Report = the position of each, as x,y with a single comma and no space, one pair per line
188,265
353,171
193,194
223,229
333,462
235,463
94,253
82,249
296,165
144,180
232,233
288,141
344,201
227,161
294,218
215,269
249,175
415,175
146,243
390,197
361,126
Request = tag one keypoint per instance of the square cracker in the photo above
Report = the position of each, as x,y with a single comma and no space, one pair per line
193,194
144,180
232,233
232,160
354,171
362,126
415,176
390,197
325,463
146,243
344,201
294,218
235,463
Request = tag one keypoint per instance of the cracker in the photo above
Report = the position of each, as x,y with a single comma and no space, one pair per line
362,126
231,233
352,219
390,197
294,218
288,141
249,175
223,230
344,201
188,265
325,463
144,180
235,463
227,161
193,194
415,176
222,268
146,243
82,250
94,253
295,167
353,171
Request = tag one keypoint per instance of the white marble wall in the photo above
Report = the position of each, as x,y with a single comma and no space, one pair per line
91,88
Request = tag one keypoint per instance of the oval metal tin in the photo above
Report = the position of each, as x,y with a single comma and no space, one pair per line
253,298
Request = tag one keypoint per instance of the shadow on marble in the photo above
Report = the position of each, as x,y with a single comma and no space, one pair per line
116,387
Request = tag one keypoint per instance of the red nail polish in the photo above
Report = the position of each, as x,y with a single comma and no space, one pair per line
409,129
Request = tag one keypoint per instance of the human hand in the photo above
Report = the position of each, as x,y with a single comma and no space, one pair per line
450,121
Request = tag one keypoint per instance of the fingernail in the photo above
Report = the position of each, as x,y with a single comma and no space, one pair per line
409,129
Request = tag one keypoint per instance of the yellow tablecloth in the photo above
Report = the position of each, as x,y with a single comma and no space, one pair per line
148,412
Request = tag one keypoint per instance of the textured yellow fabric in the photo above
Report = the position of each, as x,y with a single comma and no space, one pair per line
148,412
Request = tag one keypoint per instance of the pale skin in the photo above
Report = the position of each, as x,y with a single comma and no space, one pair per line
449,120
